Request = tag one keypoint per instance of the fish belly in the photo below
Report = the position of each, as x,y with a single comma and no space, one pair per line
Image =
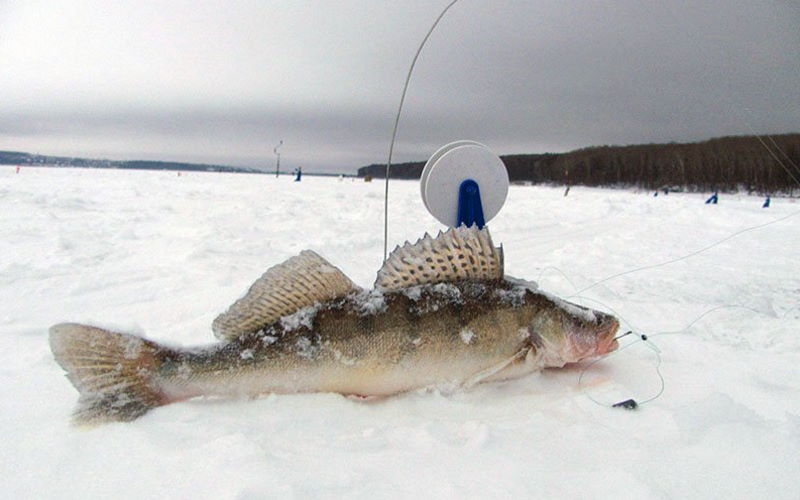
389,354
388,369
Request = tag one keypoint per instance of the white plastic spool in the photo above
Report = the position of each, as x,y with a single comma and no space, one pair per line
451,165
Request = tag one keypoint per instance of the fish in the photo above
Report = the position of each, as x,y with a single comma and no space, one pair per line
442,314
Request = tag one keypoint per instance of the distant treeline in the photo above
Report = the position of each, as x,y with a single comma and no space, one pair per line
725,164
17,158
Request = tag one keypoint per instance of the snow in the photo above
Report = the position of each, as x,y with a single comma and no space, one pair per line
466,335
161,255
370,302
302,318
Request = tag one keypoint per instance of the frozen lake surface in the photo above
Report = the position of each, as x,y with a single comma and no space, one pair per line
161,255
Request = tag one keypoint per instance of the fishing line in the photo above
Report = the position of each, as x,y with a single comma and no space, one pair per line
706,313
581,298
616,314
632,403
551,268
629,403
687,256
786,313
783,153
745,230
774,156
777,159
732,109
642,337
733,235
397,121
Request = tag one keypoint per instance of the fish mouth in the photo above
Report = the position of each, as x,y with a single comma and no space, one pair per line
608,331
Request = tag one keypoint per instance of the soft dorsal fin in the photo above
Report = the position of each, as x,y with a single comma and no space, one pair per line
299,282
461,253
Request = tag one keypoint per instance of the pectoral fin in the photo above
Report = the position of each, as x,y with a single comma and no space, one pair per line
488,373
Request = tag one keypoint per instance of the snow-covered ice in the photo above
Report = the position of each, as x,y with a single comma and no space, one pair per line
161,255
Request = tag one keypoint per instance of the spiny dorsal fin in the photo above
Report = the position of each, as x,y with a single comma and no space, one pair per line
459,254
299,282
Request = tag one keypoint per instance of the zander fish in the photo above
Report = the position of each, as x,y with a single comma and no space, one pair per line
441,314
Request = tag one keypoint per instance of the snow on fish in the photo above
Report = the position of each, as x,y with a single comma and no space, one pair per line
441,314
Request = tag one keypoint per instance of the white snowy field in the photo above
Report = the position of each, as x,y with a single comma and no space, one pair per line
162,255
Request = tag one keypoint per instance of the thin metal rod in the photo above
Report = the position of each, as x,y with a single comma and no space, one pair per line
394,131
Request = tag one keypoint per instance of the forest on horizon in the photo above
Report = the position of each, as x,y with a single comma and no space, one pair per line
759,164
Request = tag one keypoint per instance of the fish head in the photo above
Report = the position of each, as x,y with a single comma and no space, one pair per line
568,333
591,334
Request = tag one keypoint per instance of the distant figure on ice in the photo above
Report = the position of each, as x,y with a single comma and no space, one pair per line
713,200
766,203
17,168
299,172
566,192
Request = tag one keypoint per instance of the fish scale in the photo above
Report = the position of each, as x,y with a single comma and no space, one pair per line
303,326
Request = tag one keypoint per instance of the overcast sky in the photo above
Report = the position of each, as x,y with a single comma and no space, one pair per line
222,82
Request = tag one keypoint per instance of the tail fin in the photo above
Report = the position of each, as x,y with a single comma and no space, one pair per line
114,372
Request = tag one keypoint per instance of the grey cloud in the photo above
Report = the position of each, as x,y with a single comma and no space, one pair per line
520,76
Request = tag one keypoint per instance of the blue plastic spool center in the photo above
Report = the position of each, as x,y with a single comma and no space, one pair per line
470,210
